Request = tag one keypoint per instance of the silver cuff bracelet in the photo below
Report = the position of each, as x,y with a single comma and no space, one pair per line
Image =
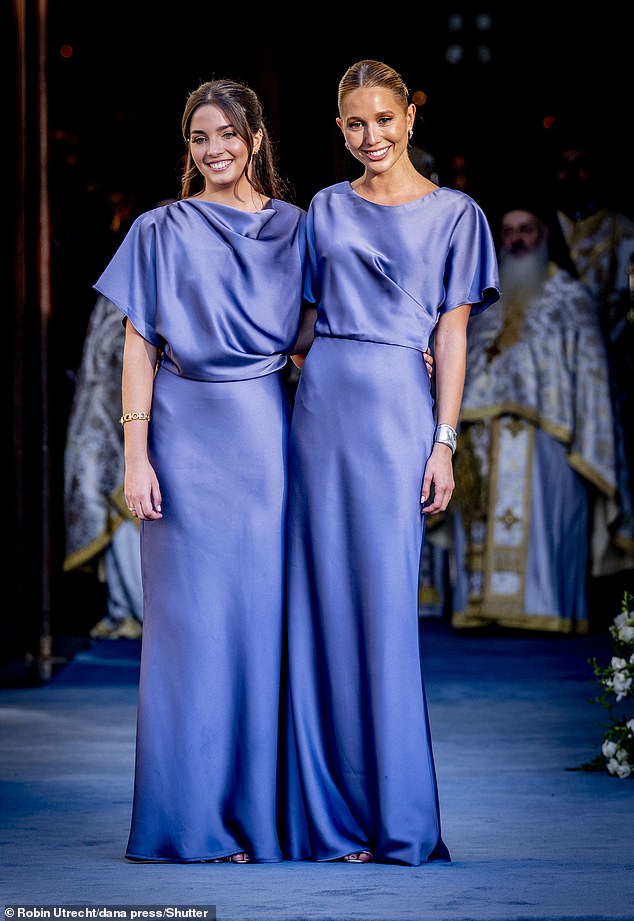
446,434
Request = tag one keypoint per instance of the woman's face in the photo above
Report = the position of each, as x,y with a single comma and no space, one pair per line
218,150
375,126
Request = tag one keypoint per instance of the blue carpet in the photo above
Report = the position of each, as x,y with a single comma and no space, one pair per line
531,837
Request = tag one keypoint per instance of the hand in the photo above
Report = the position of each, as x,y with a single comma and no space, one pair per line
142,491
429,361
438,481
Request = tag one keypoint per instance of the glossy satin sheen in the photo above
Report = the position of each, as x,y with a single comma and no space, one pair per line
226,302
386,273
214,287
360,769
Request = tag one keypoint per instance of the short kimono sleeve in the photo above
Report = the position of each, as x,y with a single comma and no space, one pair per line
130,278
471,267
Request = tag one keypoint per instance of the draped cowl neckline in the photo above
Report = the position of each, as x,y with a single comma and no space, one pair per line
248,224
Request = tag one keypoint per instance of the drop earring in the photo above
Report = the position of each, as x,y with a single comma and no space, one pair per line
410,132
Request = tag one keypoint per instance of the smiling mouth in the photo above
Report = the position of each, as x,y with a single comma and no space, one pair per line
377,154
219,165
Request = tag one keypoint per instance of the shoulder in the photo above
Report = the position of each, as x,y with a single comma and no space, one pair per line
459,210
155,217
339,188
460,202
289,209
465,218
289,220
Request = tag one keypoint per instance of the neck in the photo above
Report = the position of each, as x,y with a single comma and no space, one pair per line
243,196
395,186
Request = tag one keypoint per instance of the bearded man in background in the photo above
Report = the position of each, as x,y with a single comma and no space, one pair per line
535,459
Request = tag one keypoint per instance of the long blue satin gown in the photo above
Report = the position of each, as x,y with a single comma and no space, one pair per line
359,769
218,290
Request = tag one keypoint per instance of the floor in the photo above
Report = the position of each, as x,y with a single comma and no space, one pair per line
512,716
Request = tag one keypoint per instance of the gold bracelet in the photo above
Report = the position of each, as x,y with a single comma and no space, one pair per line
134,417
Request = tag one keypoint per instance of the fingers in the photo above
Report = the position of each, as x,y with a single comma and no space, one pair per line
426,489
437,489
150,514
429,361
439,503
156,497
144,509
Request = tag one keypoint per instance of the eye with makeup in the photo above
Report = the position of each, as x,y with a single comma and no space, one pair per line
226,136
357,124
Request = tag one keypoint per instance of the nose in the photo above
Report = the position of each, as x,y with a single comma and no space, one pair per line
371,134
213,148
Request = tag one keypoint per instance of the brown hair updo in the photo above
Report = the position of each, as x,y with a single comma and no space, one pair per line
243,110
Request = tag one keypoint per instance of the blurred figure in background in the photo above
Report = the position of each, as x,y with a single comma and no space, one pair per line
536,456
601,242
101,535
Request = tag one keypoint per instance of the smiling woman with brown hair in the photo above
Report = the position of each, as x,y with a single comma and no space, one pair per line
211,289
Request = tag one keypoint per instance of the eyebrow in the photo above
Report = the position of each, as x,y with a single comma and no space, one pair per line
376,115
221,128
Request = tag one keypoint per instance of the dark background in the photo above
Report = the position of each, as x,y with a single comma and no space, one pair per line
122,91
116,78
116,99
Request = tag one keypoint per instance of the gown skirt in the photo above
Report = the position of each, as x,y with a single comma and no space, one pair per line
359,769
213,581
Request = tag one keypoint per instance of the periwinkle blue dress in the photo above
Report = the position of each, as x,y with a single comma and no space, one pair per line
218,290
360,768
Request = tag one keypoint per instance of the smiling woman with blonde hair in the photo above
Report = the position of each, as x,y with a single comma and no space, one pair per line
393,260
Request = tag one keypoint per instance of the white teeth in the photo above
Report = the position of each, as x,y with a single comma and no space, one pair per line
373,154
220,165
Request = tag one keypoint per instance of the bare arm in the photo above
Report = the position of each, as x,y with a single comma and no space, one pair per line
299,359
450,352
305,335
141,486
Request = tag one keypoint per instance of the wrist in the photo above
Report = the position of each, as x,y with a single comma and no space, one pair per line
136,416
446,434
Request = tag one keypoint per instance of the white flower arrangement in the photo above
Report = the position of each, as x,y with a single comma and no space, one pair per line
616,682
617,757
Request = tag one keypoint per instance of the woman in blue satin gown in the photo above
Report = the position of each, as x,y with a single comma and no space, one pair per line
392,259
210,286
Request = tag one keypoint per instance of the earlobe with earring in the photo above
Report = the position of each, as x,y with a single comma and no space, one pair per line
410,132
346,145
